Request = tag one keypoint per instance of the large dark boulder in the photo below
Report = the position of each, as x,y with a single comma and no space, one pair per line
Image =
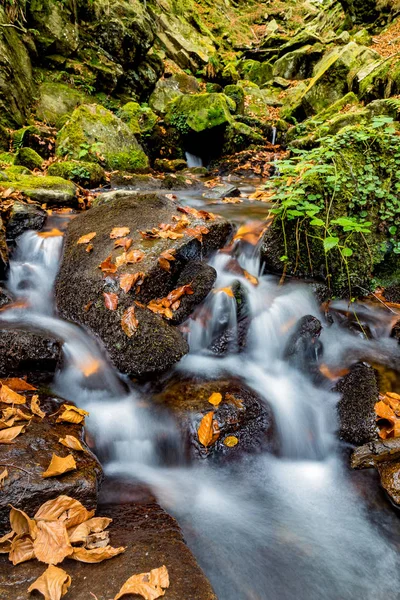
155,345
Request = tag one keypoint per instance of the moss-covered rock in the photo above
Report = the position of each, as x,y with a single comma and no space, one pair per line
26,157
255,71
141,119
86,174
380,79
4,139
339,221
298,64
200,112
170,88
57,100
6,158
97,135
14,171
237,94
56,25
239,136
48,190
170,166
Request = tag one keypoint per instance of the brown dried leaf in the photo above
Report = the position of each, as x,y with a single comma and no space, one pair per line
59,465
21,524
119,232
126,281
215,398
12,413
85,239
5,542
53,584
3,477
383,411
90,366
124,243
96,555
107,266
129,322
8,435
67,509
134,256
72,414
81,532
225,290
110,300
17,384
89,248
35,407
52,545
72,442
149,585
164,263
21,549
8,396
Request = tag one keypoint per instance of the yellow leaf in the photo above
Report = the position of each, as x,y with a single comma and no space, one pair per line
72,414
225,290
21,549
52,545
7,435
21,523
16,414
208,430
253,280
72,442
90,367
17,384
85,239
67,509
35,407
59,465
52,233
96,555
231,441
119,232
149,585
81,532
3,476
5,542
215,398
8,396
53,584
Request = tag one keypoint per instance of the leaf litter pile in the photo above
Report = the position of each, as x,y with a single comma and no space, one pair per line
208,431
387,412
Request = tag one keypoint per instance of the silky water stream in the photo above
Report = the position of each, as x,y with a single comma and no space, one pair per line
297,526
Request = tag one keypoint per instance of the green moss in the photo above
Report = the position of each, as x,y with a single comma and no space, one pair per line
7,158
237,94
239,136
15,171
141,119
199,112
81,172
255,71
135,160
57,100
26,157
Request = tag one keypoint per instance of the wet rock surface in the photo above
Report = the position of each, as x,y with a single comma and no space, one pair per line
152,538
390,479
375,452
23,217
24,351
304,347
241,413
29,456
155,345
359,392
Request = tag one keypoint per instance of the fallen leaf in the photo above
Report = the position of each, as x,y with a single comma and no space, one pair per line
70,511
250,233
97,540
253,280
53,584
90,366
21,549
119,232
197,232
110,300
127,280
215,398
198,214
3,477
208,431
231,441
88,306
96,555
226,290
107,266
51,233
72,442
89,248
383,411
59,465
235,401
13,413
5,543
17,384
35,407
134,256
8,435
179,292
8,396
72,414
51,545
81,532
124,243
85,239
129,322
149,585
21,524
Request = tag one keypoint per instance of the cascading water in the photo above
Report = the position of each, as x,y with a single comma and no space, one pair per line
193,160
293,527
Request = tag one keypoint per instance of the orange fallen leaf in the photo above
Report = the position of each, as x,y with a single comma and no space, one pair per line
96,555
124,243
17,384
59,465
127,280
72,414
89,248
129,322
81,532
72,442
22,524
68,510
51,544
149,585
107,266
383,411
3,477
226,290
215,398
53,584
231,441
119,232
235,401
90,366
8,396
35,407
21,549
8,435
134,256
85,239
110,300
208,431
5,543
51,233
253,280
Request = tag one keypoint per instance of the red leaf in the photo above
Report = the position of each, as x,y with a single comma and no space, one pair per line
110,300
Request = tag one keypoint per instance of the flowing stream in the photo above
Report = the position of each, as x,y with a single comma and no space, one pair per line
288,527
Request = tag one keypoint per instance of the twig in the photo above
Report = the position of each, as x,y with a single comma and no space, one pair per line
15,467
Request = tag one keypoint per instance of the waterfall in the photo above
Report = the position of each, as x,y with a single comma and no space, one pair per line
193,160
274,134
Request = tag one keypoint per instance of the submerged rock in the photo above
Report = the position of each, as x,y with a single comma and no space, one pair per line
359,390
23,217
222,191
155,345
304,348
29,456
23,351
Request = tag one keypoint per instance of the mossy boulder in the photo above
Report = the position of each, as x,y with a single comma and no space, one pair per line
48,190
380,79
298,64
341,217
86,174
236,93
255,71
26,157
239,136
7,158
57,100
38,137
200,112
98,135
169,88
14,171
55,22
4,139
141,119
